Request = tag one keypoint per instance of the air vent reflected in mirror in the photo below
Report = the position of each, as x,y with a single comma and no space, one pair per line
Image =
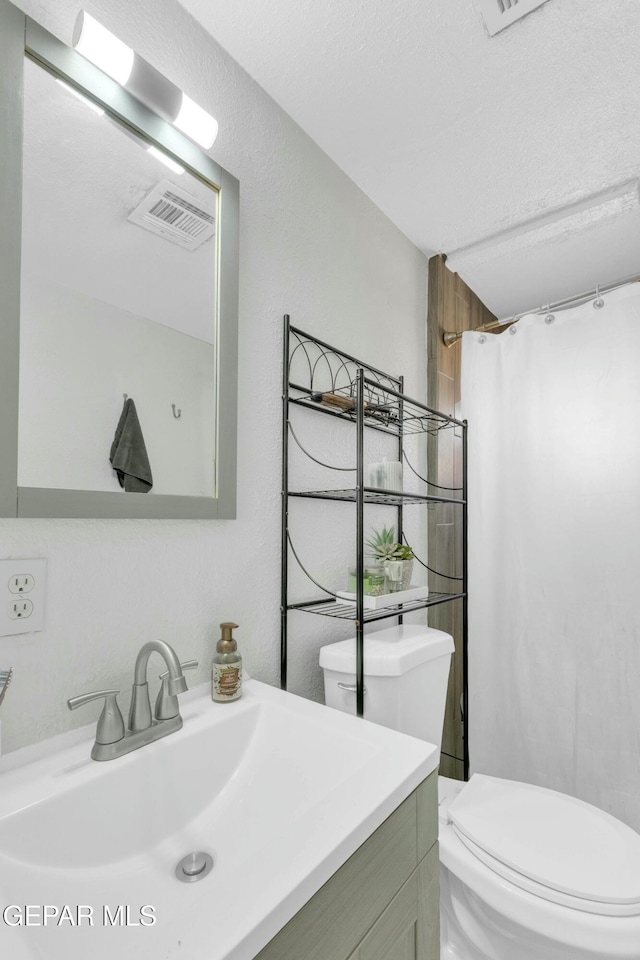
174,214
498,14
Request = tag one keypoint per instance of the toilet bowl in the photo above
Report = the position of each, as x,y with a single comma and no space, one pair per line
526,873
535,875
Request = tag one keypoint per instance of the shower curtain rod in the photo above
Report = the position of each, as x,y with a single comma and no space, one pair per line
451,338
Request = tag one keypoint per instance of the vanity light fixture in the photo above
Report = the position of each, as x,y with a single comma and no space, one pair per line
143,81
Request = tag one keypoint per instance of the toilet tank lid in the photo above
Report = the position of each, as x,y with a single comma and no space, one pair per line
551,838
390,652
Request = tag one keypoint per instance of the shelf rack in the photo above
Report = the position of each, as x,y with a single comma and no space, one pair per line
374,495
370,399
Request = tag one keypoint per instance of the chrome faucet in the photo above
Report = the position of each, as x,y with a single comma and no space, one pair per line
111,739
140,709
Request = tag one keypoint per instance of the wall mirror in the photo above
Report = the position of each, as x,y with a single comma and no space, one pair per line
120,242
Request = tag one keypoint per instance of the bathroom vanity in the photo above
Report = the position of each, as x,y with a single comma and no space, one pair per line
321,828
383,903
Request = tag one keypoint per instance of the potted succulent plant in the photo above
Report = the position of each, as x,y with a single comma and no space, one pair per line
374,577
406,556
397,558
383,544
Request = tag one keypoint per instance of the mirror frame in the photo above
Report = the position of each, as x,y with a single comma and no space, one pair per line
22,37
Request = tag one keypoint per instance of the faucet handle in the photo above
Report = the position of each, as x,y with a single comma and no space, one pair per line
110,727
187,665
166,703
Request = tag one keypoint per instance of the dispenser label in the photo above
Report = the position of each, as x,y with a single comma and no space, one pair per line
226,681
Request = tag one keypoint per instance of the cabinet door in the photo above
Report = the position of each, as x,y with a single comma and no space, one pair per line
395,935
428,874
409,928
333,922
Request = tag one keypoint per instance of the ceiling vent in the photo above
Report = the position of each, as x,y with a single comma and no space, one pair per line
174,214
498,14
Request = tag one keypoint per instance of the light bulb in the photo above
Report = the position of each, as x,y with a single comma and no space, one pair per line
196,123
142,80
101,47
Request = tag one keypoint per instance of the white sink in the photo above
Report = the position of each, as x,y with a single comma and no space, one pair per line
95,814
278,790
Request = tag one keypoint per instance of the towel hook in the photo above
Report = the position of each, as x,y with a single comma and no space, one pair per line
598,303
179,412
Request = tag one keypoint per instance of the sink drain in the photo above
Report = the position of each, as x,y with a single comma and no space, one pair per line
194,867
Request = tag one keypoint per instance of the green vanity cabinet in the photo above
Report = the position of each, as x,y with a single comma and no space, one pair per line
409,927
383,903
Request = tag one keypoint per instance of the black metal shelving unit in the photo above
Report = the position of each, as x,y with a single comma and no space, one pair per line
371,400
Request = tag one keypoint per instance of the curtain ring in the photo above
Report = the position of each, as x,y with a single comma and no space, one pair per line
598,303
177,414
549,317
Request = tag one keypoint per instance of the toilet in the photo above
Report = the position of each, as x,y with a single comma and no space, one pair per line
526,873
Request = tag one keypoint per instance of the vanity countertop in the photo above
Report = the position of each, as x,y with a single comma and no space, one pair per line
279,790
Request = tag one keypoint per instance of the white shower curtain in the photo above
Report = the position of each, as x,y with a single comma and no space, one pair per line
554,551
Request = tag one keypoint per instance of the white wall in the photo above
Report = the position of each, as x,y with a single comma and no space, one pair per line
312,245
78,356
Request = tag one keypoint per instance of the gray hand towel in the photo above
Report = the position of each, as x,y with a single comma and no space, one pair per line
128,455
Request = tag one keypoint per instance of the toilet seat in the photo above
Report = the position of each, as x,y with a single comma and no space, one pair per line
553,846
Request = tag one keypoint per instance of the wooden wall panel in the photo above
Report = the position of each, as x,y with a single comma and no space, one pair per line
453,307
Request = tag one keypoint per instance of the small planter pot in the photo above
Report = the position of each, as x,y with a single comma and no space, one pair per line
394,570
398,575
407,571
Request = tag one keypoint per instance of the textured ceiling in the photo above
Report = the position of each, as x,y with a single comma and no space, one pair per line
82,178
458,136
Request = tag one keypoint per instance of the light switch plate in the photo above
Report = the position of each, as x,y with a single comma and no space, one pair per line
22,593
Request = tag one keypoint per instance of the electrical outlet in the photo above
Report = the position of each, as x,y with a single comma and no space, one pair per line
19,609
23,582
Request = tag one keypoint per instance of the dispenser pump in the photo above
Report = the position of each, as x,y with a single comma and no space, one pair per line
226,668
227,642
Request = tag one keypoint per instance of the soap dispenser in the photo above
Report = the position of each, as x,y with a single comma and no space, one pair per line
226,668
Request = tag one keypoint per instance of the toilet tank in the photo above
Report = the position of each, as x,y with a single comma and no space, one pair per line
406,671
